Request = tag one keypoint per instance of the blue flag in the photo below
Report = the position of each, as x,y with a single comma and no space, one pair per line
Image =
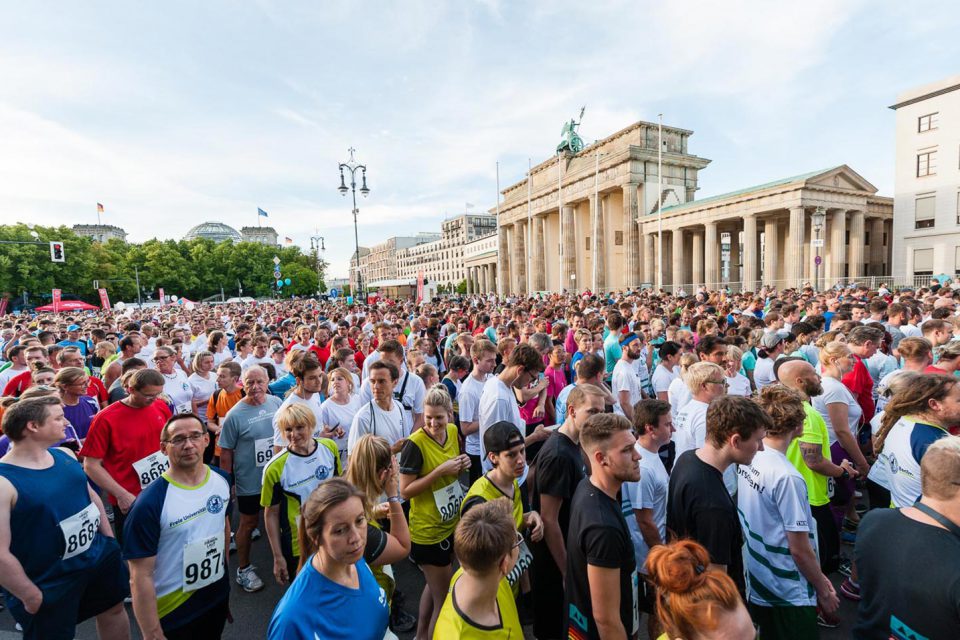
261,212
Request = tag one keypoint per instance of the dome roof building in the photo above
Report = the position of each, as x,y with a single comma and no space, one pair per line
216,231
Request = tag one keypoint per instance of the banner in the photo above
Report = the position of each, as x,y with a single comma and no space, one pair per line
162,300
104,299
56,300
3,304
419,287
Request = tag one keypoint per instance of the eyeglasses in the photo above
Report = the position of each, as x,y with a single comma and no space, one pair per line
519,540
723,382
179,441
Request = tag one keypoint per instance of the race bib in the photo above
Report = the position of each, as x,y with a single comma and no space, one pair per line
79,530
202,562
150,468
184,407
263,451
448,500
831,487
524,560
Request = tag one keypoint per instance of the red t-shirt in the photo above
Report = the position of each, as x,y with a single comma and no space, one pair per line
322,353
358,357
121,435
935,369
860,384
18,384
97,391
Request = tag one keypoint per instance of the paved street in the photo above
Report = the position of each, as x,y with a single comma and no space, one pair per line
251,611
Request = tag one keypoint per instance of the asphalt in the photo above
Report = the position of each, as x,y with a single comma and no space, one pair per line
252,611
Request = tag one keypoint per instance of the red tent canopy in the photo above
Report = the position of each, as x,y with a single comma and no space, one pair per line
69,305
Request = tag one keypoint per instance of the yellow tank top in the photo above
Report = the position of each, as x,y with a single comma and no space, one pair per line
434,513
485,489
452,623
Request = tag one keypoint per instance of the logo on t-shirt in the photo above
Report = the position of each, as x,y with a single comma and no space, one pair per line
321,473
214,504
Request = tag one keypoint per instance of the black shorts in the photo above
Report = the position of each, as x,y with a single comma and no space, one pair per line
91,593
249,505
435,555
646,594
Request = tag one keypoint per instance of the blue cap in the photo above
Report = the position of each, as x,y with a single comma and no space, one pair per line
73,327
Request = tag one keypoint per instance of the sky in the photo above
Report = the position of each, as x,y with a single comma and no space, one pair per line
175,113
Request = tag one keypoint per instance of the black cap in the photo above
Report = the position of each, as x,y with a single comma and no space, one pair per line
501,436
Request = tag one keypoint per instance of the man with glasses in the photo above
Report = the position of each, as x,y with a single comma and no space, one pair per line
706,381
122,451
176,540
246,446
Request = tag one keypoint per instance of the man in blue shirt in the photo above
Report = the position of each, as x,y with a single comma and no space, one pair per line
73,340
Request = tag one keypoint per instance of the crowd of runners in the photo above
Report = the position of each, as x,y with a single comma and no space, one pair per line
635,464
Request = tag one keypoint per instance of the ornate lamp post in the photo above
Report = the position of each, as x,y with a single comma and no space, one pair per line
352,166
818,218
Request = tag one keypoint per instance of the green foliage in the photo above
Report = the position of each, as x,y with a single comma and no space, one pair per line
194,269
462,288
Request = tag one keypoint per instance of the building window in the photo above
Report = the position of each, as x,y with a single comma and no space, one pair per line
926,207
927,163
928,122
958,207
923,262
956,261
618,238
587,247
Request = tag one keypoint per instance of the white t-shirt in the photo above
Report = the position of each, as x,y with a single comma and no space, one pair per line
772,500
911,331
203,388
763,372
833,392
691,426
8,374
251,360
313,402
678,395
333,415
178,389
739,385
649,493
662,377
625,378
468,400
370,418
497,403
411,401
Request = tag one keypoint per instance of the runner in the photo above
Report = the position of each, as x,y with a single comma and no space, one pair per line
203,383
625,382
78,407
176,386
337,411
60,562
288,480
479,603
335,595
483,353
129,347
408,391
246,446
311,380
430,463
382,415
121,453
34,355
601,579
176,539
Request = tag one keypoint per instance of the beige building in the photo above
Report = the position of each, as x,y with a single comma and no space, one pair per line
381,263
100,232
260,235
603,202
442,261
927,205
480,263
352,276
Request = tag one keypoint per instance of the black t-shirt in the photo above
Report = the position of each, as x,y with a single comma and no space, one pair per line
700,508
376,543
598,536
558,471
909,578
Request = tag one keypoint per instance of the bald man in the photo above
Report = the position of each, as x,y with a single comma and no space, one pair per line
810,454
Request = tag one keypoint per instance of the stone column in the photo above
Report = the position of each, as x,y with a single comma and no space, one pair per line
631,237
734,276
598,209
485,279
538,278
876,247
470,288
750,252
794,251
676,273
838,247
519,258
856,244
569,266
769,251
711,252
503,261
649,253
697,258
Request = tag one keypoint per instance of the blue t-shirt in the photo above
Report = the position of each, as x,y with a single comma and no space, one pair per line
80,344
316,607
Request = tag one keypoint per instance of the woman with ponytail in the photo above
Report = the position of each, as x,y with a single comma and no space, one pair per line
693,601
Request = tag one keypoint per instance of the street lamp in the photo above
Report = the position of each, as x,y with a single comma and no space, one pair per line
818,218
352,166
318,247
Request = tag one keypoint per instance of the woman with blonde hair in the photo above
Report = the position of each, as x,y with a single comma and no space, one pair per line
337,411
203,382
78,407
678,394
737,383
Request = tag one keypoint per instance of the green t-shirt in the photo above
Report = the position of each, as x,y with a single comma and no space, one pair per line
814,432
611,351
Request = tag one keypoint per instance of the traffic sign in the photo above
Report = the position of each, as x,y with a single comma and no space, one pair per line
817,242
279,283
333,293
276,260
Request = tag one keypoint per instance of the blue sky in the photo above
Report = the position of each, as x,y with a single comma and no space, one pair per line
178,112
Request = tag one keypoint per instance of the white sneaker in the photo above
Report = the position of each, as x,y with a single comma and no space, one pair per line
248,579
255,534
233,542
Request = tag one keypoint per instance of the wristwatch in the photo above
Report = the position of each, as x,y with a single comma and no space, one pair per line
844,474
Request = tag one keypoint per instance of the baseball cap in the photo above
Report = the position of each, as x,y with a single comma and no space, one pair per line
771,339
501,436
276,348
73,327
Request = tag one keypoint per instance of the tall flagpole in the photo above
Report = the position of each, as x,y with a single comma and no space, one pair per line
660,202
529,230
560,218
596,221
501,258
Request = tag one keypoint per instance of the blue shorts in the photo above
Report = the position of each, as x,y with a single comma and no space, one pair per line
68,603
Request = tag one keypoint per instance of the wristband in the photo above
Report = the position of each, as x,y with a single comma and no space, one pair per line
394,499
844,474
